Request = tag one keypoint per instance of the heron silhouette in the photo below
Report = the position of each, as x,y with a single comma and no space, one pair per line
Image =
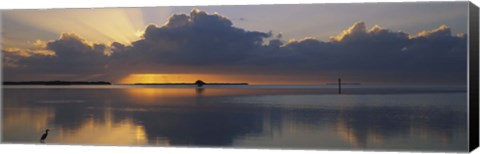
44,136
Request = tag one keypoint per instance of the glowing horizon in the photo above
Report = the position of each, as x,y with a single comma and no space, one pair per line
212,78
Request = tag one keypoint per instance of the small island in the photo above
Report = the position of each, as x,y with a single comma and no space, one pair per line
57,83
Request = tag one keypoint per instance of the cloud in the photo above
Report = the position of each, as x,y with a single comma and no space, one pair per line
434,55
209,43
442,31
357,29
28,52
69,54
195,39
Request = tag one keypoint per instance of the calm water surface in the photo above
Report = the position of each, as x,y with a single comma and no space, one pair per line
287,117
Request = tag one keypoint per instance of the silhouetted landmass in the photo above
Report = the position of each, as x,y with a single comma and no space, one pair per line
190,84
198,83
57,83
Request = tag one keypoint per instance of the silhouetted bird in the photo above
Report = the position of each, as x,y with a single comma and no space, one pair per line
44,136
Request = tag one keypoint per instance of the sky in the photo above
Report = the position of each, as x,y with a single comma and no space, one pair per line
377,43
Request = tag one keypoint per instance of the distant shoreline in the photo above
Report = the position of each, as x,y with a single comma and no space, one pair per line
57,83
54,83
189,84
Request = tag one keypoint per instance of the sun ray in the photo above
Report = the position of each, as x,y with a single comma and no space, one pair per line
100,25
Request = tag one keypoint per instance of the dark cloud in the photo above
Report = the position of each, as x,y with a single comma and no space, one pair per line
70,55
209,43
197,39
435,55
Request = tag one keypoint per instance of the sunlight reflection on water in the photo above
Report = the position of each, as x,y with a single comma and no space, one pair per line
240,117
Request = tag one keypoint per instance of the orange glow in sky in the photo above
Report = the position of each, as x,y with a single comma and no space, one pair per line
219,78
170,78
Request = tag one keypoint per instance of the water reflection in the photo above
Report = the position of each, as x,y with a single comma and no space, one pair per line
25,124
236,117
363,126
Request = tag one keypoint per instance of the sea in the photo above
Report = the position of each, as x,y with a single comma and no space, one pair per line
363,117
